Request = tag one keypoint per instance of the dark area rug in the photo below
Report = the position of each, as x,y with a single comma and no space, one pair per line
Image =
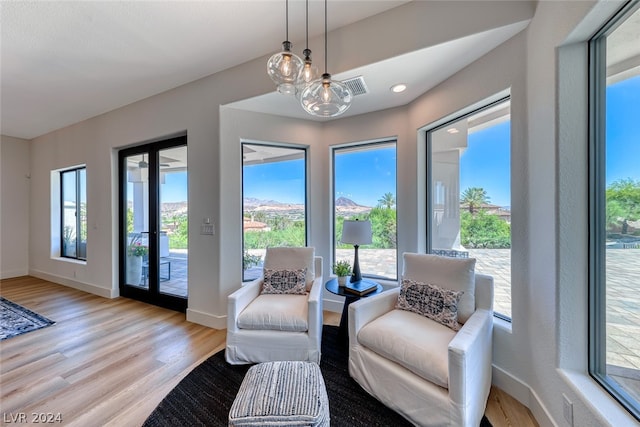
205,395
17,320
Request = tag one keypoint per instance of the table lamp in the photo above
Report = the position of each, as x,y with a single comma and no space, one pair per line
356,233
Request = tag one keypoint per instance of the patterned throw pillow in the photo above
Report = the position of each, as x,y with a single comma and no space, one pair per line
430,301
284,281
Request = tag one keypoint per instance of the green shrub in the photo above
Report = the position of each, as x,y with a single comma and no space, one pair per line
484,230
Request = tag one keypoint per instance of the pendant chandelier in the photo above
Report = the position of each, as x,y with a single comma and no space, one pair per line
285,68
325,97
309,71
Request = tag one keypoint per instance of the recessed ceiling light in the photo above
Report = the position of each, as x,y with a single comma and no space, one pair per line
452,130
400,87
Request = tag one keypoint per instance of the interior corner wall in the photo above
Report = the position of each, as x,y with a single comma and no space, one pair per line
14,207
390,124
237,126
558,121
586,395
503,70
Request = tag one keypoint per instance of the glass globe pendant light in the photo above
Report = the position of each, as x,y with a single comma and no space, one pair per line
325,97
309,71
285,67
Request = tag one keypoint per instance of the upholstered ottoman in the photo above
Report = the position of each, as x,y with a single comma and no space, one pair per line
288,393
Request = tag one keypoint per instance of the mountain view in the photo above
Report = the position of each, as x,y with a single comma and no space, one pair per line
267,208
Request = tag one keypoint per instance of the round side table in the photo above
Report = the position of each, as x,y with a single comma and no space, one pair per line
333,287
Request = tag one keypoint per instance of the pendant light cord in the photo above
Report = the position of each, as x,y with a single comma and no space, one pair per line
286,25
307,22
326,57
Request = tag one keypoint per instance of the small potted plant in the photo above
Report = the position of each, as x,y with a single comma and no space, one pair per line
249,260
342,269
136,251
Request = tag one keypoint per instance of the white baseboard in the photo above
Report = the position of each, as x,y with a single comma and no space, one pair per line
206,319
512,385
523,394
540,412
82,286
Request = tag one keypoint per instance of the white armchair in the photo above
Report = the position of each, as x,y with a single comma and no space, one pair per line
274,327
428,372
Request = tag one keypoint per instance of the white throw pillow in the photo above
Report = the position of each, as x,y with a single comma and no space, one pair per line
285,258
456,274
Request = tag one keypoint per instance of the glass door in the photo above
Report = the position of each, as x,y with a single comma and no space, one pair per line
173,252
154,228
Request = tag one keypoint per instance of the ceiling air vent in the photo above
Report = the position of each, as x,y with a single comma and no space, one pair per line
357,85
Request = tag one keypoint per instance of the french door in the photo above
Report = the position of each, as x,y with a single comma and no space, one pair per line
153,223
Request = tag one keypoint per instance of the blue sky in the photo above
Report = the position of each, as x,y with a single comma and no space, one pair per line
281,181
623,130
486,163
364,176
69,185
174,188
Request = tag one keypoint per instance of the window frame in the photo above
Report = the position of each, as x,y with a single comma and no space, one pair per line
305,151
597,144
441,124
78,216
355,146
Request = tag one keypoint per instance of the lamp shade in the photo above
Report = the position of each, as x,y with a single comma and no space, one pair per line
356,232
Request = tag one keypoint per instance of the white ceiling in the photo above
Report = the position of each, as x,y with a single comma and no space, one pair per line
420,70
63,62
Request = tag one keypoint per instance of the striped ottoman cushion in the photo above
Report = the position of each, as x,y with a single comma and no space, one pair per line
288,393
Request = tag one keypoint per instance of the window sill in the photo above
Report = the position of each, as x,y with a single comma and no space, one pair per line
69,260
502,325
386,283
599,403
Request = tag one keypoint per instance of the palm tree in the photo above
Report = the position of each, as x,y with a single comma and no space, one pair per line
387,201
474,197
623,203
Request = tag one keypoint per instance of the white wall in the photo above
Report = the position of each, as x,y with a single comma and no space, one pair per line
194,109
389,124
235,127
14,207
558,134
531,354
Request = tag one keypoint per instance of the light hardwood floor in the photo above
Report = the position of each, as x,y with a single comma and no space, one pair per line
111,361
